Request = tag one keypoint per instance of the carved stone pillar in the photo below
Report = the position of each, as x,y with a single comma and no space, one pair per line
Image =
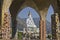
42,25
5,20
55,25
6,28
42,29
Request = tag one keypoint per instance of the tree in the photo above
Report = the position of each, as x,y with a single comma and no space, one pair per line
49,36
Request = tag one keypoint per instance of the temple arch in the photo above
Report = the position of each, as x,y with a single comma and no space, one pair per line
33,12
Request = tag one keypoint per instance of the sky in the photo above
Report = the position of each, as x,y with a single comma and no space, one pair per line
49,13
24,13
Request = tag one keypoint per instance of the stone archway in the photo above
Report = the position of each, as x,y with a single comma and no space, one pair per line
43,15
24,16
25,4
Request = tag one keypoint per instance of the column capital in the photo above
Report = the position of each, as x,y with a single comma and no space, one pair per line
43,13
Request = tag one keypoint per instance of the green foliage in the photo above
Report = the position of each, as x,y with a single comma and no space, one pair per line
20,35
49,36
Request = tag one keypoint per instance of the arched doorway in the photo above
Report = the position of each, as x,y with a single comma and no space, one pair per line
48,21
21,23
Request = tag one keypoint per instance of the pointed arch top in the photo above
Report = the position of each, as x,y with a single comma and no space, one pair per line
29,4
